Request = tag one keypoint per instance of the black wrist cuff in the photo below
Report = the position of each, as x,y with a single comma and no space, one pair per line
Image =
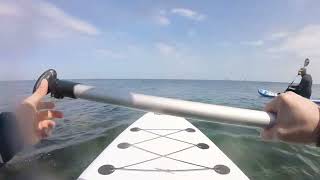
318,140
10,137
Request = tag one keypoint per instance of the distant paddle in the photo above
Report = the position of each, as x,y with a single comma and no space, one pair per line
306,63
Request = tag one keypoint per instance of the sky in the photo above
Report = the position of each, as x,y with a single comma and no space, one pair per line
167,39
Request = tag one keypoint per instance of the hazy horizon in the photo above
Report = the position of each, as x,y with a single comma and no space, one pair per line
155,79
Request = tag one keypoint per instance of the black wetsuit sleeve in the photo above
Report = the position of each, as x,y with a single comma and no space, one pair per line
10,137
304,88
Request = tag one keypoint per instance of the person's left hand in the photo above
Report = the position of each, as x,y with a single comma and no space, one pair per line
35,118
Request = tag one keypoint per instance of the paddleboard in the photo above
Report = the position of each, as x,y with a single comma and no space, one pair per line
267,93
162,147
270,94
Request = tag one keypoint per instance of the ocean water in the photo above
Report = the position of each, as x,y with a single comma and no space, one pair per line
89,127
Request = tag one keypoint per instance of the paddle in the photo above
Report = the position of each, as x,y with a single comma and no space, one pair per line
60,89
306,63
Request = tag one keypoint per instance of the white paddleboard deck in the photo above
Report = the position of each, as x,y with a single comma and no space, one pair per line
162,147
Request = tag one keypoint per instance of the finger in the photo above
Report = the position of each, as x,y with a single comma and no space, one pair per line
272,106
40,92
49,114
269,133
45,105
46,125
45,128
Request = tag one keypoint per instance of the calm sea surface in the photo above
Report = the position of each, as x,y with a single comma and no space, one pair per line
89,127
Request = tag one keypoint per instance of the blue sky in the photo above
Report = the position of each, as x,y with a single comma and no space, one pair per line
168,39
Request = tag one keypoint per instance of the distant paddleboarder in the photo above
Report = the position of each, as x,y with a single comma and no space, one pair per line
305,85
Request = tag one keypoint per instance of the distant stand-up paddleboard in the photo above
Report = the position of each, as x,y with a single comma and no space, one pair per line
270,94
266,93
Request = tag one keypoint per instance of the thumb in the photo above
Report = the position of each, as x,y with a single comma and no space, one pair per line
40,92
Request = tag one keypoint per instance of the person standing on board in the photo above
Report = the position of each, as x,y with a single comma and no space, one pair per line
32,122
305,85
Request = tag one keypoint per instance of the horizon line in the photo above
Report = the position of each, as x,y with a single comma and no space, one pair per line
153,79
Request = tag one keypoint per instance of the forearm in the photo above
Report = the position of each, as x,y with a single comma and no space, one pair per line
10,138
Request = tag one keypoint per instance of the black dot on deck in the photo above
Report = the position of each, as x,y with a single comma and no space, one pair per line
190,130
203,146
123,145
221,169
136,129
106,169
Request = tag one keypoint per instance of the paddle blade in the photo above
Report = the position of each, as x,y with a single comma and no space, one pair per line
306,62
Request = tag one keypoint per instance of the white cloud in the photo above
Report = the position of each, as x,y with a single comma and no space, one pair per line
166,49
302,43
59,17
7,9
163,17
24,25
278,35
162,20
253,43
188,13
47,20
108,53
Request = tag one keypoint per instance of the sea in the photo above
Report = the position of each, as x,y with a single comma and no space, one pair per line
89,127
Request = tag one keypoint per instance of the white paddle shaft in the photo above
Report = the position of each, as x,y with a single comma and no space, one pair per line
187,109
